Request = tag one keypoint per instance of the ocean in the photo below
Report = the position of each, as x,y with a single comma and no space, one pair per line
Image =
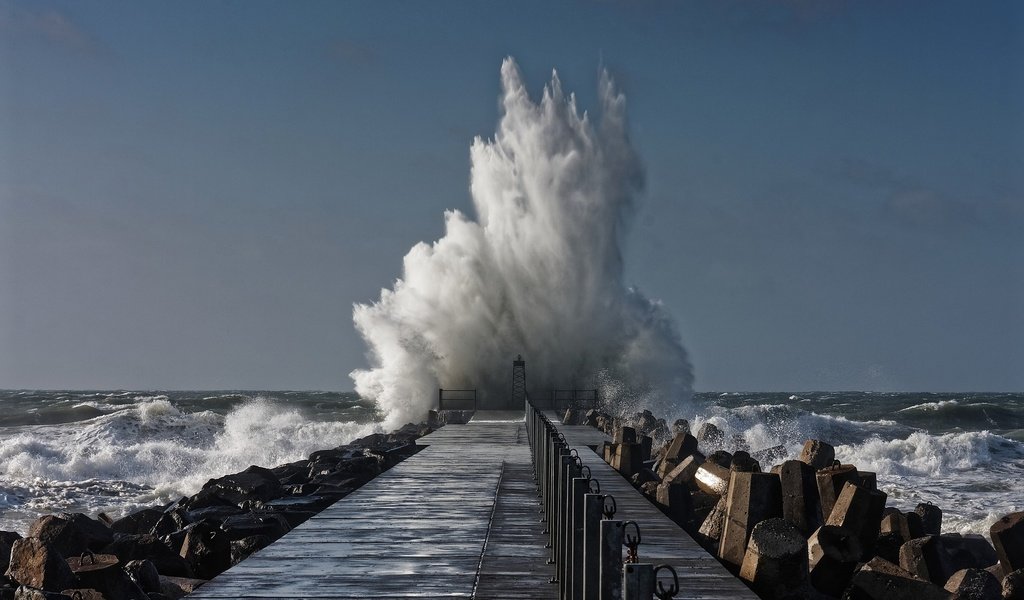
117,451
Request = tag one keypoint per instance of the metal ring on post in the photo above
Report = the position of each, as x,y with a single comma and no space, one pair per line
578,461
594,483
631,542
574,453
609,511
585,475
670,592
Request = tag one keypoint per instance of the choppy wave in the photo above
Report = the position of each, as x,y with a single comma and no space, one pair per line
151,451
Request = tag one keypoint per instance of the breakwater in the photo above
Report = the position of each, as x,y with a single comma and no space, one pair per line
810,527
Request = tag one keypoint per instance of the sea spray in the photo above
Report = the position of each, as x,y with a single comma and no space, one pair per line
538,272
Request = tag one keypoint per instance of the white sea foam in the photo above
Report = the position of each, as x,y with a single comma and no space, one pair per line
538,271
152,452
930,405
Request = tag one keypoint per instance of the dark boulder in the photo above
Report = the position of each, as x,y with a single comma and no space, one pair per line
974,584
207,549
138,522
270,524
63,536
149,547
97,534
7,539
144,574
36,564
254,483
243,548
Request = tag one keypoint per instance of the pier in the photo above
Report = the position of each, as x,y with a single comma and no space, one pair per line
475,515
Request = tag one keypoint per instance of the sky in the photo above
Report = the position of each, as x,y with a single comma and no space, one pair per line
194,194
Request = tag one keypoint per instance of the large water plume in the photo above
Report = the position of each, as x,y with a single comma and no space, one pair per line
538,272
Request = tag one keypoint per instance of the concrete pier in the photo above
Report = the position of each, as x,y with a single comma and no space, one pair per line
460,519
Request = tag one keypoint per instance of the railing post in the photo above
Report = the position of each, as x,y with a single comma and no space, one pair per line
574,563
637,581
592,506
610,568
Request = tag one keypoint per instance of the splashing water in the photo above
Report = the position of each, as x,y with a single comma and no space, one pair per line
539,272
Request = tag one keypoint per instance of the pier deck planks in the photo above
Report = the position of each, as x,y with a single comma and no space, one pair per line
459,519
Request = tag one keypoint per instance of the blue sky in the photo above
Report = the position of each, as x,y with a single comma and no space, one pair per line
193,194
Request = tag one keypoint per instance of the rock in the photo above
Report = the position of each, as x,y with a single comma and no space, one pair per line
974,584
926,559
63,536
148,547
711,528
243,548
712,478
172,520
752,498
86,594
879,579
775,562
648,488
178,587
983,554
859,510
30,593
144,574
138,522
34,563
101,573
97,534
800,503
833,554
931,518
830,484
254,483
272,525
710,436
7,539
818,454
207,550
767,456
680,426
1013,585
1008,538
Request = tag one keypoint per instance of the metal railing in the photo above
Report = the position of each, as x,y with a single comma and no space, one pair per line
560,400
584,538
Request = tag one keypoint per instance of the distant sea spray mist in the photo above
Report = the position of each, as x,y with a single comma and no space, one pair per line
538,272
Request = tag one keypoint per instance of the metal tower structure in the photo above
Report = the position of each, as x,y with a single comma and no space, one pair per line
518,382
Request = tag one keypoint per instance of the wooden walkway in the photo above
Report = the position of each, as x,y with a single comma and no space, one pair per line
662,541
459,519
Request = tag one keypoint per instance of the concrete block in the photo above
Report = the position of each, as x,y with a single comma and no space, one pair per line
888,545
818,454
860,511
775,563
1008,538
752,498
1013,585
674,499
830,484
743,462
710,436
710,532
868,479
646,444
681,446
833,554
800,503
974,584
684,472
914,524
721,457
624,435
926,559
712,478
931,518
893,521
628,459
879,579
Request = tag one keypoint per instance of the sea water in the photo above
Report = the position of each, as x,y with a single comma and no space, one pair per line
118,451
